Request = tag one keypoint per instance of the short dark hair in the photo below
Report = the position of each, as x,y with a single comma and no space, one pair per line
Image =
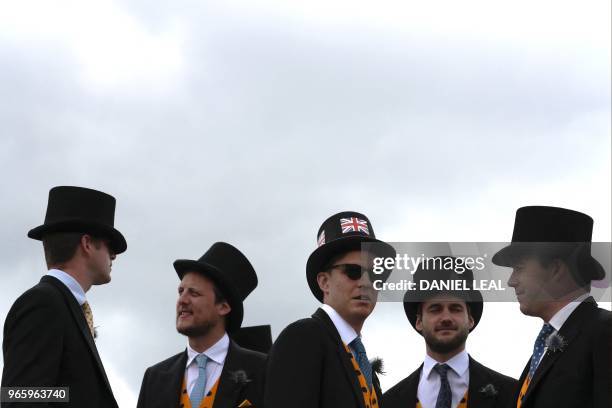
60,247
569,258
219,296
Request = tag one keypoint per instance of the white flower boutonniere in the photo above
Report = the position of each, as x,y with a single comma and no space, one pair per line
555,342
240,377
489,390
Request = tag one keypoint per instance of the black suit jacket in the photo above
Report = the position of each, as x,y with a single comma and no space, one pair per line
308,367
404,393
161,385
578,376
47,343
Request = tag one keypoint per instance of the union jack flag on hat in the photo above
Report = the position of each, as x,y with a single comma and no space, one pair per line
354,224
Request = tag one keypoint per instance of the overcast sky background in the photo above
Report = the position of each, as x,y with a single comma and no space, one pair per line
251,122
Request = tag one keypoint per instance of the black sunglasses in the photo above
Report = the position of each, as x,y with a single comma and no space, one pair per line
354,272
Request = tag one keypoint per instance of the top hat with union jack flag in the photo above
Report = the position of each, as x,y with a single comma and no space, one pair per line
343,232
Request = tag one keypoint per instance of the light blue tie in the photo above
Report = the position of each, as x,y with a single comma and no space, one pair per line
198,389
362,359
538,348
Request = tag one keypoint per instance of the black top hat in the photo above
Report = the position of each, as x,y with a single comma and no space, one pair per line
230,270
78,209
258,338
435,269
343,232
552,230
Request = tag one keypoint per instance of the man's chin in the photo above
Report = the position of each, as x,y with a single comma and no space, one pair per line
193,331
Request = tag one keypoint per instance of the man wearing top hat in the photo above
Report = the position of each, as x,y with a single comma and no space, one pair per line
449,377
213,371
552,270
321,361
49,332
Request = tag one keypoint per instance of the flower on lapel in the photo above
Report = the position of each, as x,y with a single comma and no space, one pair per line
240,377
489,390
378,366
555,342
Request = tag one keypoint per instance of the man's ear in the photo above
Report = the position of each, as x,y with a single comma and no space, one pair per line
223,308
558,269
419,323
87,244
323,281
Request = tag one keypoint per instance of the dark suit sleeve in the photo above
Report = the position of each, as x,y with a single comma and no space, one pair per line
32,345
294,368
143,391
602,361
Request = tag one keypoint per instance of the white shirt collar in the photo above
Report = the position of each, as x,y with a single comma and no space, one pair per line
562,315
71,283
459,363
217,352
347,333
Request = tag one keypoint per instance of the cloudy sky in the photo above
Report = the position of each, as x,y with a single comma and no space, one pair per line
251,122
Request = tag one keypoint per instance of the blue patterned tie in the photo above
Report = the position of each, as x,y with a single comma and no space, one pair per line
538,348
198,389
445,396
362,359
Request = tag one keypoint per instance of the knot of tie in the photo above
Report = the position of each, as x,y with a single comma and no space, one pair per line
202,360
538,348
362,359
445,396
197,394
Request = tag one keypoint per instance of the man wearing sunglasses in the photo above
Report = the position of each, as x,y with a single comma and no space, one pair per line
321,362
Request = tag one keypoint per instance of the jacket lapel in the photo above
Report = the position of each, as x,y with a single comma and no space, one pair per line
168,383
478,380
409,392
345,359
229,389
568,331
79,317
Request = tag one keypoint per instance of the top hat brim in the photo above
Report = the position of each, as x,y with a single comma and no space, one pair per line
236,315
117,240
509,255
322,254
413,299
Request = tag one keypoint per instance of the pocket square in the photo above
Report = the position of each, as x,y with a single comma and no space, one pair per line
245,404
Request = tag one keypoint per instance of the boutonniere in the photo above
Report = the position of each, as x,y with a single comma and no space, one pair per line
489,390
378,366
555,342
240,377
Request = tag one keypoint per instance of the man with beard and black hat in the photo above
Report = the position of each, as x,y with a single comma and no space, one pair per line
49,332
213,371
449,377
321,362
550,254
